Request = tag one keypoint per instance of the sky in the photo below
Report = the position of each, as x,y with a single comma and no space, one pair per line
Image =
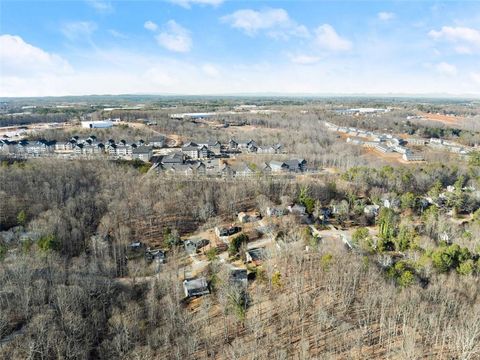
214,47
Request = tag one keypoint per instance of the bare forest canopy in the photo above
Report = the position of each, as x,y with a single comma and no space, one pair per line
405,287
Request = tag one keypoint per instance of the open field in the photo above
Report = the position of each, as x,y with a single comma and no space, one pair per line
444,119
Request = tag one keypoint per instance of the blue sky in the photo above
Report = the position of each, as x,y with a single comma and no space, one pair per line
224,47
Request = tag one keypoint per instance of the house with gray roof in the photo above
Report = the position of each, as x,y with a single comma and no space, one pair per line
276,166
173,158
296,165
143,153
196,287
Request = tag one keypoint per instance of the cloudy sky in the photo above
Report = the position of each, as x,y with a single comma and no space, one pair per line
225,47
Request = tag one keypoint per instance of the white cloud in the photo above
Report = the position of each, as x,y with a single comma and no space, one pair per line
150,25
276,22
446,69
210,70
466,39
26,70
117,34
101,6
304,59
385,16
175,37
326,38
78,30
187,4
475,76
19,58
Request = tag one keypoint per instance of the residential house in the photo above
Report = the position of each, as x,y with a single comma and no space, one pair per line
411,156
135,246
111,148
239,277
157,141
155,255
244,217
93,149
232,144
416,141
296,165
255,255
214,147
143,153
277,166
191,151
247,144
252,147
8,147
123,150
203,152
227,231
196,287
39,147
188,169
383,148
78,149
65,146
173,158
192,245
400,149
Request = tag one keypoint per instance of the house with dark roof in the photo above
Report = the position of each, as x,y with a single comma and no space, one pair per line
232,144
157,141
190,168
143,153
191,151
246,144
196,287
214,146
296,165
239,277
255,255
173,158
65,146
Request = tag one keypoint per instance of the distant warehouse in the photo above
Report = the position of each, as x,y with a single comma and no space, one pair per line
104,124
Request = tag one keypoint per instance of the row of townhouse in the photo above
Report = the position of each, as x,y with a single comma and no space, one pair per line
441,144
355,132
293,165
76,147
26,148
178,163
122,149
384,143
154,142
213,148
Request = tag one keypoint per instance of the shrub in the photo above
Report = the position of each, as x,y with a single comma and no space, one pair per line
236,243
325,261
277,279
49,243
